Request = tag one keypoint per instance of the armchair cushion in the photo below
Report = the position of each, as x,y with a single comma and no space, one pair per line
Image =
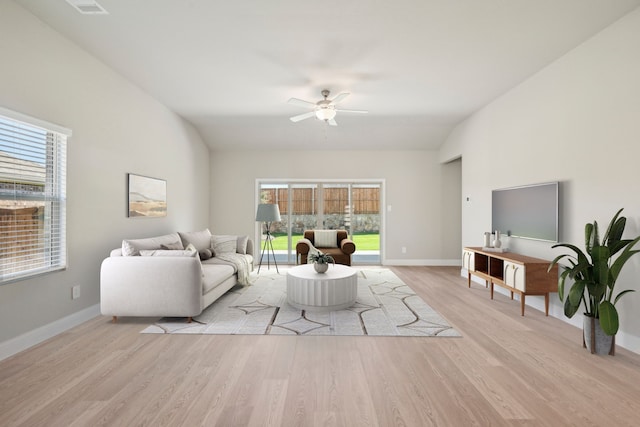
326,238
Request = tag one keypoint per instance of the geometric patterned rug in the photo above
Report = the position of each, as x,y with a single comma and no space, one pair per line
385,306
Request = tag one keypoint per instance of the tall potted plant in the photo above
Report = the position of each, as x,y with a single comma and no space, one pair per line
594,273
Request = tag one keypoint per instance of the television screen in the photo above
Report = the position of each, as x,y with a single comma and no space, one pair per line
529,212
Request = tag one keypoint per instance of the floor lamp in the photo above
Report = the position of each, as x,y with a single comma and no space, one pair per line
268,213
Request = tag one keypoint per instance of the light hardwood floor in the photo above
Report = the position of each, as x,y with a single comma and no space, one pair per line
506,370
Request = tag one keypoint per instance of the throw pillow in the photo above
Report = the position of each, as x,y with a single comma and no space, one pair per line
190,251
133,247
199,239
205,254
242,245
173,246
168,252
224,244
325,238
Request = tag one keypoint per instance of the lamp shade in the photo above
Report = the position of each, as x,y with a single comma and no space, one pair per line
268,212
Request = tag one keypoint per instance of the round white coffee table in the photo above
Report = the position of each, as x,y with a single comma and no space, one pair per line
334,290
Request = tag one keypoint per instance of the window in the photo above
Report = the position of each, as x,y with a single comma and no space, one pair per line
32,196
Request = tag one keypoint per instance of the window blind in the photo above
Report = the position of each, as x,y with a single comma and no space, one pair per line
32,196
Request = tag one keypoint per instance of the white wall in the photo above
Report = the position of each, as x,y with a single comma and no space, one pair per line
116,129
424,195
578,122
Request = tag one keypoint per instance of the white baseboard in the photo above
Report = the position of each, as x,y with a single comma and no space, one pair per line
29,339
623,339
424,262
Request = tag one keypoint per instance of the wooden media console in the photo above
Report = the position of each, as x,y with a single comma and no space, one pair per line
517,273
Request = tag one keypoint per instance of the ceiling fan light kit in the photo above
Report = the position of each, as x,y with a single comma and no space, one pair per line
325,113
323,110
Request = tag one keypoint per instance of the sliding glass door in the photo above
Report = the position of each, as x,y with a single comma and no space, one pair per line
335,205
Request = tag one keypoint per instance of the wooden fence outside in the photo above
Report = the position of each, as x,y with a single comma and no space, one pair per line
24,225
304,201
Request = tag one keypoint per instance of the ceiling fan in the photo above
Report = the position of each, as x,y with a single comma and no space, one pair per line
323,110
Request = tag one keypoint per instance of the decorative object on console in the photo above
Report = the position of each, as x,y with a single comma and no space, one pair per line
321,261
147,197
268,213
594,273
496,242
487,239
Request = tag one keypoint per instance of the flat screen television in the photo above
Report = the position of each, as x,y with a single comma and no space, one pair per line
530,211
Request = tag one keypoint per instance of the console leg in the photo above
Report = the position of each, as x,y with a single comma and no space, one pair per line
491,287
114,319
546,304
522,304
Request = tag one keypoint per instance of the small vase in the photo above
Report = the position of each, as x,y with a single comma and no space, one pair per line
320,268
497,243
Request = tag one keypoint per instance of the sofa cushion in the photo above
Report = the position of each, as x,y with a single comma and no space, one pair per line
215,274
325,238
224,244
200,239
133,247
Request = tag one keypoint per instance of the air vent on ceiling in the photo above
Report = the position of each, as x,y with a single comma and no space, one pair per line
88,7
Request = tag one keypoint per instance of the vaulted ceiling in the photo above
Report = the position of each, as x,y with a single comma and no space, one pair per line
418,66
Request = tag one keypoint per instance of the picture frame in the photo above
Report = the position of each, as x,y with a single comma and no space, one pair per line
147,197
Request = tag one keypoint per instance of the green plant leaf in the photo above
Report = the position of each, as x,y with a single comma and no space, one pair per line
600,257
626,291
596,291
569,309
608,318
561,280
615,247
614,223
588,237
576,292
580,256
627,253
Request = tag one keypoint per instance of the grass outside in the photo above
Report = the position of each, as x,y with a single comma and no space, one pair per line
364,242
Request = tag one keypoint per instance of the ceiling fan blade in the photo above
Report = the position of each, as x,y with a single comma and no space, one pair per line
301,103
353,111
341,97
332,122
302,116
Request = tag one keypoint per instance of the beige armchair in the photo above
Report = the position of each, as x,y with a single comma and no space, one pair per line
341,251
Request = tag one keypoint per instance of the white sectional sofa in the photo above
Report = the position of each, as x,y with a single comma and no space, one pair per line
165,276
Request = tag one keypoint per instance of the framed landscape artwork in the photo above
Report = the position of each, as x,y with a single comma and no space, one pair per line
147,197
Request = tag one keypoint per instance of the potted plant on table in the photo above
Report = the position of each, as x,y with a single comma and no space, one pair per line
594,273
321,261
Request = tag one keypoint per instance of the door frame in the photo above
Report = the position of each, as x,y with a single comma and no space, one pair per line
377,181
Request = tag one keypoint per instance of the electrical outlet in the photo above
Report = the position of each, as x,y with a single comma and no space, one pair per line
75,292
404,249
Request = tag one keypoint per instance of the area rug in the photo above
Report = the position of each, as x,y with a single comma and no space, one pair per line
385,306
